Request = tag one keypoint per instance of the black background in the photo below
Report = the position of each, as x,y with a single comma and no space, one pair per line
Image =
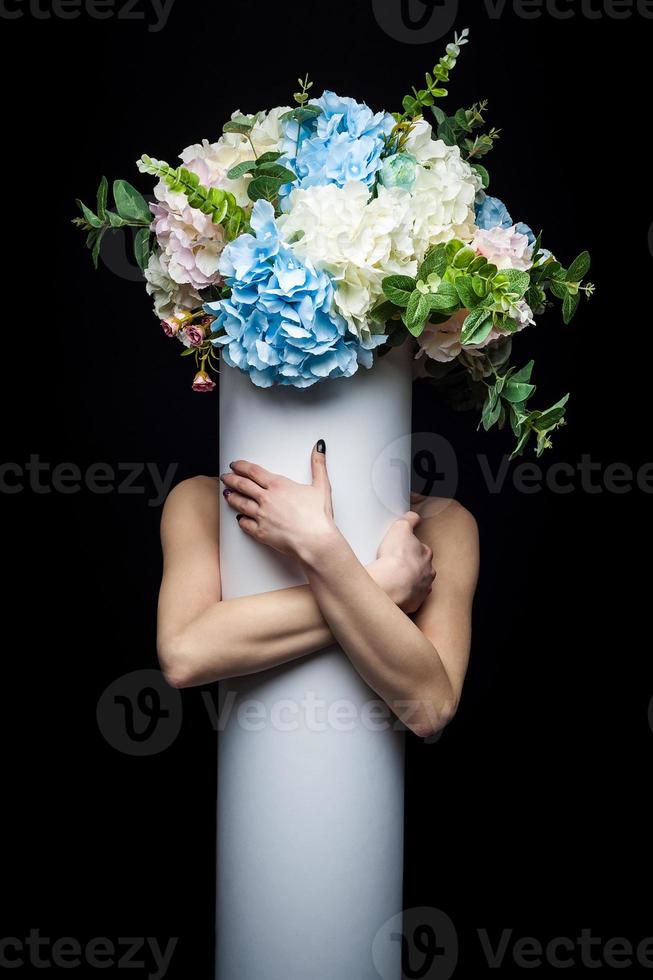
532,811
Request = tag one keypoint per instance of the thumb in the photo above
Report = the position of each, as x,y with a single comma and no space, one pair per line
412,519
319,466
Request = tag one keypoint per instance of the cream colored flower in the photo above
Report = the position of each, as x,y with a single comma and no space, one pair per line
169,297
212,161
356,239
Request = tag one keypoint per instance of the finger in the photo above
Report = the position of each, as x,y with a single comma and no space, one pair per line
243,485
319,466
248,525
257,473
412,519
244,505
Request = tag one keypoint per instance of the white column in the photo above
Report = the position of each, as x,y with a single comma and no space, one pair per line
310,777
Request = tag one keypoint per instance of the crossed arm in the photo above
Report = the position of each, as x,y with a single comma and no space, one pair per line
408,638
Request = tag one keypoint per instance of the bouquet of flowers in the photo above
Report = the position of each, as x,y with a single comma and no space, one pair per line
309,240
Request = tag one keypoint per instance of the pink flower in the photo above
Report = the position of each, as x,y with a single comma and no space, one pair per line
504,247
170,326
193,335
202,382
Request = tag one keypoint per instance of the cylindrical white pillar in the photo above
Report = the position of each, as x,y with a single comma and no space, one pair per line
310,775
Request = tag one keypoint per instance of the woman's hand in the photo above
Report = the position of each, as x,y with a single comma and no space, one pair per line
404,568
293,518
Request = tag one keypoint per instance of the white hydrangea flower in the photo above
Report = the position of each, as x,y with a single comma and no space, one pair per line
170,298
356,239
442,200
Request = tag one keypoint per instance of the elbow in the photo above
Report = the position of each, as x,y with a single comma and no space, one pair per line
433,717
175,663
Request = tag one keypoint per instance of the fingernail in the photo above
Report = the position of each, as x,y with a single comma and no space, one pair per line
226,492
231,466
321,446
239,517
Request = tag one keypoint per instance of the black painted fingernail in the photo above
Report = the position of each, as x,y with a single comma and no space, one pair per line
239,517
226,492
321,446
231,466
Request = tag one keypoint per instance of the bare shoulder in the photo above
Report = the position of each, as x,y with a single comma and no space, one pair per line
445,516
451,531
191,501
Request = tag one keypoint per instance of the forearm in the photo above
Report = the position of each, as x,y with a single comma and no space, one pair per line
241,636
387,649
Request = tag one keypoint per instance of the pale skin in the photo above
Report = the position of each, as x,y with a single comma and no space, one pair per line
407,633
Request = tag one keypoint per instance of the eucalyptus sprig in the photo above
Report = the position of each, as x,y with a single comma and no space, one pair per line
458,130
220,205
423,98
131,210
507,400
548,275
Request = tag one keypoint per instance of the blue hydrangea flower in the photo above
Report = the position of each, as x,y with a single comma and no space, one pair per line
279,325
524,229
399,170
343,143
492,213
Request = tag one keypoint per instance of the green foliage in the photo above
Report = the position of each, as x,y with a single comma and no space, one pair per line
507,400
458,130
422,98
549,276
219,204
268,176
131,210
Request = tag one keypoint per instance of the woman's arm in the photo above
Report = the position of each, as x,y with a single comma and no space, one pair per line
418,666
203,639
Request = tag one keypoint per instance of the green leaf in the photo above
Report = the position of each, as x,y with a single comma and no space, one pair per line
518,281
446,298
483,174
516,392
275,170
92,219
265,188
130,204
115,221
476,327
559,289
579,267
569,307
398,289
435,262
383,312
465,290
242,168
464,257
553,415
524,375
267,158
439,114
95,253
416,313
447,133
102,192
241,124
461,120
491,411
142,248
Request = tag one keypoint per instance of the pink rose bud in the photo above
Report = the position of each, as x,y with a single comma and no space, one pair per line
194,334
202,382
170,326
